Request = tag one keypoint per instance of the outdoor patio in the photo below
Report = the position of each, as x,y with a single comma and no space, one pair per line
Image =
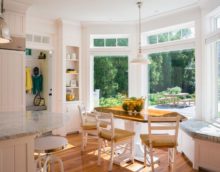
188,111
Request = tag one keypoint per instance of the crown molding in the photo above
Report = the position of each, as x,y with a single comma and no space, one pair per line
17,6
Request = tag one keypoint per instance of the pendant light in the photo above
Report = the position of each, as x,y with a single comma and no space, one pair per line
140,58
4,30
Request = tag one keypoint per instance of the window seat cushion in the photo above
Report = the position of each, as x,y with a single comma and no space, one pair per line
203,130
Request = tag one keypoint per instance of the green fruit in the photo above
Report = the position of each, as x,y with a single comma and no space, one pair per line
125,106
133,98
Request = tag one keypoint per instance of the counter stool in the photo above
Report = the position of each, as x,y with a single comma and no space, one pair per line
48,145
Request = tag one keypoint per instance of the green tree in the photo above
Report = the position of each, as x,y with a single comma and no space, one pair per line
111,75
121,78
171,69
104,74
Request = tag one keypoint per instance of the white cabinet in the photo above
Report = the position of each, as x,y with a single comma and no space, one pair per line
16,23
16,155
188,146
74,124
12,82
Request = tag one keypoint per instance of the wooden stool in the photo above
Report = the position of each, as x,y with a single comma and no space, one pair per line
48,145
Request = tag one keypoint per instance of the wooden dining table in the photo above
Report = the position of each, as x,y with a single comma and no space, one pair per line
118,112
134,121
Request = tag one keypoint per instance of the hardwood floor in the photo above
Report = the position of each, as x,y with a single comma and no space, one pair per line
75,161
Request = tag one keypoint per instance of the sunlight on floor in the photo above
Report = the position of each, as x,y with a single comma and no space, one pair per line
136,167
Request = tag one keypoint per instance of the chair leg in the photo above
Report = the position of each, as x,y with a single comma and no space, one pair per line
83,141
86,138
145,156
112,156
99,150
151,158
173,159
132,149
169,157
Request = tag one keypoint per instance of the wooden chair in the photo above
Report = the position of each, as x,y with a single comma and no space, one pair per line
88,126
119,139
168,139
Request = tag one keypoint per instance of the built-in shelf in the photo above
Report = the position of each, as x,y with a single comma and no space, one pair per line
71,87
72,73
72,76
73,60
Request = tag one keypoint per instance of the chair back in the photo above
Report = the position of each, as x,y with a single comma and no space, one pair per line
169,125
83,113
103,120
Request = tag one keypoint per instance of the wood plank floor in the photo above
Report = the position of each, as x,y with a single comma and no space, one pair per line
75,161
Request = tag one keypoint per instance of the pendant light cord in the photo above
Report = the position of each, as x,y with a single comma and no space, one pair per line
2,7
139,36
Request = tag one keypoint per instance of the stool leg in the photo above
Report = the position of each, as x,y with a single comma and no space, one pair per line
45,164
54,158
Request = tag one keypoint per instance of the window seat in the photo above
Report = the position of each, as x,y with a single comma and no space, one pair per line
203,130
200,142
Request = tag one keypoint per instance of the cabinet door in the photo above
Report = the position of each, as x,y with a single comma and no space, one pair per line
16,155
12,83
16,23
74,124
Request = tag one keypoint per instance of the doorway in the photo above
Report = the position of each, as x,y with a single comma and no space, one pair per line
38,82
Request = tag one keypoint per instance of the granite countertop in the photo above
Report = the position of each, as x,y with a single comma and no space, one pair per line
203,130
18,124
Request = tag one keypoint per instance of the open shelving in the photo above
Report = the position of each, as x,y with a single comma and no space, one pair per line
72,74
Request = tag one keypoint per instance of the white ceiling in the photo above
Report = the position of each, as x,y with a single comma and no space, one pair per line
103,10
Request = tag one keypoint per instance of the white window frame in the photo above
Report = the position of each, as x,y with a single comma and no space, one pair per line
107,51
167,29
210,75
108,36
182,44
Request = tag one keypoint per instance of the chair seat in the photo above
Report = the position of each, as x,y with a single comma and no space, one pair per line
91,125
158,143
119,135
50,144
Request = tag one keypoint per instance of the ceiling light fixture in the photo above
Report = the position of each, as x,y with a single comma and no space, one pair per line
4,30
140,58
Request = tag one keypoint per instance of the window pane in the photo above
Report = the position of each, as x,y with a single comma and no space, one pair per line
152,39
163,37
172,80
110,42
218,76
122,42
111,78
98,42
186,33
218,22
175,35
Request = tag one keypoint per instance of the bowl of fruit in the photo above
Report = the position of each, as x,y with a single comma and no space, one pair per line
133,104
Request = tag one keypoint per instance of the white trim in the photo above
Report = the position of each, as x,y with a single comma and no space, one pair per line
170,28
212,37
116,50
170,46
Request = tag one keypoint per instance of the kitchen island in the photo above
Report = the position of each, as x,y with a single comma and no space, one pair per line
17,133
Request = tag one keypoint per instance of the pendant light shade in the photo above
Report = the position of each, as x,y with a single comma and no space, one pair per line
139,59
4,30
